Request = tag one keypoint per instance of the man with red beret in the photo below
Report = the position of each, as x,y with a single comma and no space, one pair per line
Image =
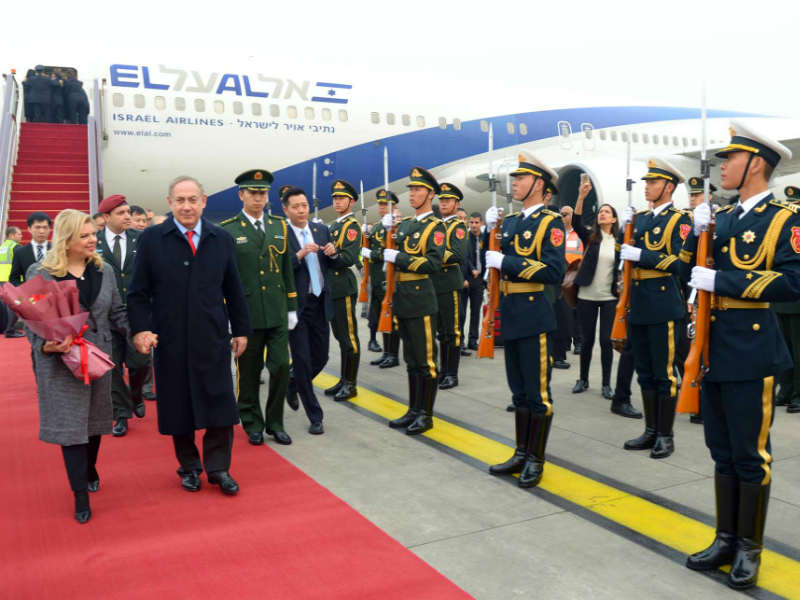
116,243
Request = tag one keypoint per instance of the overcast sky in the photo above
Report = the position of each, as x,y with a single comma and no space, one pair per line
605,52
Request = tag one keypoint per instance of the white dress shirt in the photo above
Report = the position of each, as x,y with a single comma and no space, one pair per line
747,205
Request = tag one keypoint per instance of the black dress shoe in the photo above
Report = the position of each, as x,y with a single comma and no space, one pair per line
447,382
625,409
781,400
391,361
93,486
794,407
82,511
256,438
316,429
120,427
379,360
347,391
374,346
511,408
696,419
472,345
148,396
139,410
560,364
607,392
15,334
225,482
577,349
331,391
282,437
190,481
580,386
292,400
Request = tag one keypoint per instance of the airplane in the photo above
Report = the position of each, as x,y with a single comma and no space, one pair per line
157,121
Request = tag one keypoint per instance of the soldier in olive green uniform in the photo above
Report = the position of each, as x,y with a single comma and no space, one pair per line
265,268
419,253
377,281
449,283
789,318
346,236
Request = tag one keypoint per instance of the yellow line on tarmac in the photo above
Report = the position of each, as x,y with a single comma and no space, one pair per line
778,574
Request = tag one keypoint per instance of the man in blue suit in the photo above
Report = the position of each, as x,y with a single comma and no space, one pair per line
313,253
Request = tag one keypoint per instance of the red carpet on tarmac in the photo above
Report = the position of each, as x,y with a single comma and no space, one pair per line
283,536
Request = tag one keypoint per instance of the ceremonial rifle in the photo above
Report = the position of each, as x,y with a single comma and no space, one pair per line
619,331
363,295
486,345
314,198
696,365
385,323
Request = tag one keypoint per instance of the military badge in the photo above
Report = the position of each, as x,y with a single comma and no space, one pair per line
657,230
244,224
760,209
416,173
527,235
416,235
445,187
684,232
258,175
556,237
748,237
438,238
796,239
460,234
351,234
339,185
241,240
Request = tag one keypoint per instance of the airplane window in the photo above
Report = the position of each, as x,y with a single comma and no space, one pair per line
685,142
510,127
674,140
255,108
457,125
343,116
665,139
309,113
406,120
138,100
199,105
160,102
645,138
420,121
237,107
180,103
655,139
694,141
390,118
484,125
624,136
613,136
442,123
274,110
603,134
291,112
219,107
118,99
375,117
588,132
326,114
635,137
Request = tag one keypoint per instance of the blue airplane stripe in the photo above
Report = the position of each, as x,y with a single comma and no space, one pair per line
344,86
433,146
331,100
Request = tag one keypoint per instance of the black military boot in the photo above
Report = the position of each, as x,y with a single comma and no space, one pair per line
522,420
444,349
373,345
385,354
533,468
331,391
413,404
722,549
394,347
648,439
348,389
450,379
753,501
427,395
665,419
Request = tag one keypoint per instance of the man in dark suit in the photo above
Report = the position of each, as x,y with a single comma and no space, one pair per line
39,225
475,272
313,253
116,243
40,90
77,101
186,291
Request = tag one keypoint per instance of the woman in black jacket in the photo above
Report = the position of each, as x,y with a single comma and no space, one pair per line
597,286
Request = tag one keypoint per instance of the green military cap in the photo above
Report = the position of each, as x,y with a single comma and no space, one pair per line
255,179
448,190
340,187
421,177
381,196
792,193
696,185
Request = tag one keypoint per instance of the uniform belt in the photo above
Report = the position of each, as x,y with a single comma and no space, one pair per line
510,287
725,303
639,273
411,276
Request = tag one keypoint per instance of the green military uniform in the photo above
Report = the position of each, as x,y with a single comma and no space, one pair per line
449,284
420,249
346,236
6,259
789,318
377,282
265,269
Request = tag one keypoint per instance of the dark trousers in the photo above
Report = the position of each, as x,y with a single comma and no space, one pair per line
345,328
80,461
528,373
448,320
588,312
790,378
217,446
125,396
654,356
622,390
473,295
375,299
248,383
11,319
565,332
419,345
309,342
737,416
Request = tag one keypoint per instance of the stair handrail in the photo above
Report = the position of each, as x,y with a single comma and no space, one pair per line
94,136
9,131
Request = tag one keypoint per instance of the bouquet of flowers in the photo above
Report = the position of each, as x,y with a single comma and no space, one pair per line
51,310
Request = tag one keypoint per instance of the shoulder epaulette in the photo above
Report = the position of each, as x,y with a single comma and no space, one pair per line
679,210
226,221
276,217
641,212
434,217
723,209
552,213
514,214
407,218
784,204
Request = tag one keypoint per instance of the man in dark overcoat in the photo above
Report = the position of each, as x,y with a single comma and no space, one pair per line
184,292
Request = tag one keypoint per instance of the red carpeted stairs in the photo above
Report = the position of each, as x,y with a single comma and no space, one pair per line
51,174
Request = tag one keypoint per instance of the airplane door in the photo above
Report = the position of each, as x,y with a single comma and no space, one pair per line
565,134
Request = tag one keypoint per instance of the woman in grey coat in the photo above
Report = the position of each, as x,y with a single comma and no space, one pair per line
71,413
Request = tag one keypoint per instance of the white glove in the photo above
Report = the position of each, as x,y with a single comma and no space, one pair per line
366,253
702,218
390,255
492,215
292,319
703,279
387,221
627,216
317,220
631,253
494,259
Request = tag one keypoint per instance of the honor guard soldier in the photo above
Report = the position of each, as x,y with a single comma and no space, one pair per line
449,283
532,256
756,252
346,236
420,248
658,307
387,201
789,317
265,269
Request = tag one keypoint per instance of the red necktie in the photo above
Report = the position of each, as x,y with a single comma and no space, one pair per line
190,235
